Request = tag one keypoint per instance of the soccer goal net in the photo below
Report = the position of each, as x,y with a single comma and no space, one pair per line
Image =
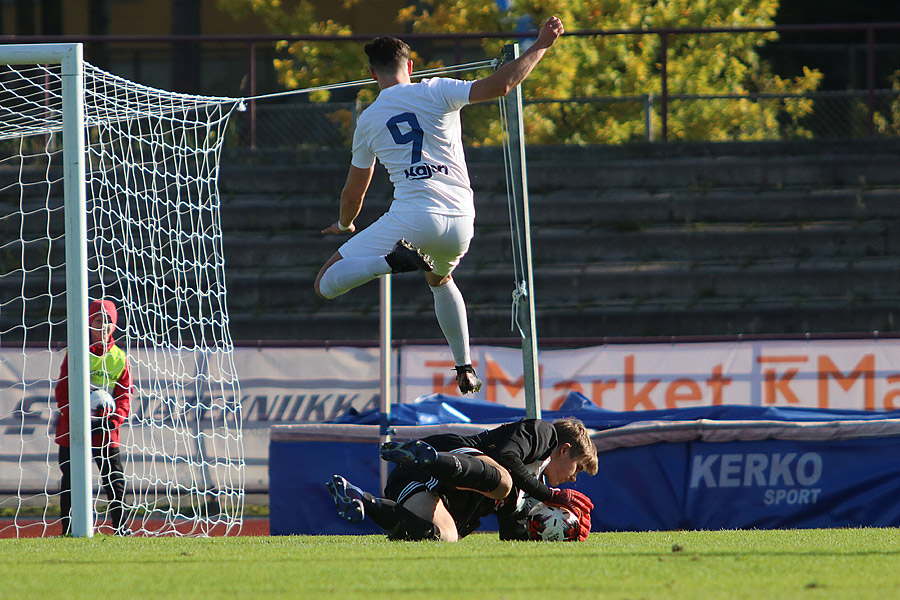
154,248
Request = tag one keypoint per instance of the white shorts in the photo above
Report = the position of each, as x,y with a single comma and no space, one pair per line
444,238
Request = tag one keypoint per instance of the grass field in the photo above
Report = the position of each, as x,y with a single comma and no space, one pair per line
809,564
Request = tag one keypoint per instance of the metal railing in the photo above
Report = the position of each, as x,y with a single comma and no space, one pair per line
834,115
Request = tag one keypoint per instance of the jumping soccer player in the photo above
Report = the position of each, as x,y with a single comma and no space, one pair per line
414,130
443,484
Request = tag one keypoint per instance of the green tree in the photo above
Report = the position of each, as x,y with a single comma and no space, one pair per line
305,64
626,67
629,66
887,122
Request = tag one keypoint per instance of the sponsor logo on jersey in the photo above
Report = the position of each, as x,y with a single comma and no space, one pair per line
425,171
789,477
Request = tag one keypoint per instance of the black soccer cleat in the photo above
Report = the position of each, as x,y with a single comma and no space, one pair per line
405,258
413,452
467,380
348,499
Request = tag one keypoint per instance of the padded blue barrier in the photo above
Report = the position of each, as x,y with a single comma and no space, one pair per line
782,484
298,500
691,484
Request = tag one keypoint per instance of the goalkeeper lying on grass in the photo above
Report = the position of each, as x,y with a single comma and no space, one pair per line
443,484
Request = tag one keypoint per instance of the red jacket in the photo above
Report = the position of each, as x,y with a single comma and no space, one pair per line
121,394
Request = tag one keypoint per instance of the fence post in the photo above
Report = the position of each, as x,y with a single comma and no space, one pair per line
870,77
648,116
664,99
252,52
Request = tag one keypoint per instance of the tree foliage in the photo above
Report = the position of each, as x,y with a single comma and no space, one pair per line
623,70
305,64
887,122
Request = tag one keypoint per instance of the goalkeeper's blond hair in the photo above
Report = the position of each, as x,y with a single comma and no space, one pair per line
573,432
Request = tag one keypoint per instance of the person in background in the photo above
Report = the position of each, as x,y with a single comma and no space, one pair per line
111,390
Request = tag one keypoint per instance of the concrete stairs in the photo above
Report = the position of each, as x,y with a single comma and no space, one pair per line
643,240
674,239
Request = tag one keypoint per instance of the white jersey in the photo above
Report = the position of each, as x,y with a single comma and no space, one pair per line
414,130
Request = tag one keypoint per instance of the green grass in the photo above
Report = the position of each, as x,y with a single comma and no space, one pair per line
854,564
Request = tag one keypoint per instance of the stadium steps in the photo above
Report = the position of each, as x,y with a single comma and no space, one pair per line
645,240
860,292
737,245
648,239
577,285
605,318
619,207
261,234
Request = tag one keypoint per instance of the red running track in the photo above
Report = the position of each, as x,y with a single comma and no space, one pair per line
32,528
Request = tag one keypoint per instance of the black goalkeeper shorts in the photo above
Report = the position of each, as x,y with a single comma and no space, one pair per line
464,506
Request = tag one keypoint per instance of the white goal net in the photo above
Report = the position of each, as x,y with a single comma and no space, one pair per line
154,248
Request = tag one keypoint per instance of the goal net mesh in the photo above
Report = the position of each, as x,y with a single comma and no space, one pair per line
155,250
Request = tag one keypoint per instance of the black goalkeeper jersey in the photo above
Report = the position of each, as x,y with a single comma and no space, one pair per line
520,447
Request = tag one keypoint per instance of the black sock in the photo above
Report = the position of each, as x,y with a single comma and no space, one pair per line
393,262
398,522
463,470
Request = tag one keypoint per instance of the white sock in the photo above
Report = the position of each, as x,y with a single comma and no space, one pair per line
348,273
450,309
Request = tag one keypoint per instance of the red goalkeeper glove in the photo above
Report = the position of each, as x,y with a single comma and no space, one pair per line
579,504
584,525
571,499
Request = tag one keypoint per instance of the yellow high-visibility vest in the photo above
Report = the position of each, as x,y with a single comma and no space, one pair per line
106,369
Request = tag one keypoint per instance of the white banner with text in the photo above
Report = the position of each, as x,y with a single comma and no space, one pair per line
857,374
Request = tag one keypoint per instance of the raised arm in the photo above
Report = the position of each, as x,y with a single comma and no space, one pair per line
513,73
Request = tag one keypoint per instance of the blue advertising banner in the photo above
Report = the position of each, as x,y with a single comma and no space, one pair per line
796,468
778,484
638,489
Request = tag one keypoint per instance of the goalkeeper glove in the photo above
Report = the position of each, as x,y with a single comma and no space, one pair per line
571,499
579,504
584,525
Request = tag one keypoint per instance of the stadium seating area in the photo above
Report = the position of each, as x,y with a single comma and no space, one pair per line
659,239
641,240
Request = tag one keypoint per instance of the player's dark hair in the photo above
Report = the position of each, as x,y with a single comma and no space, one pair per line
573,432
387,53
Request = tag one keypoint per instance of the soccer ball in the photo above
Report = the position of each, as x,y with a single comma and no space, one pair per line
102,398
552,524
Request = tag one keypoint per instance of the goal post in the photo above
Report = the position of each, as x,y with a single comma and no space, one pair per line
70,59
511,111
75,203
108,189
